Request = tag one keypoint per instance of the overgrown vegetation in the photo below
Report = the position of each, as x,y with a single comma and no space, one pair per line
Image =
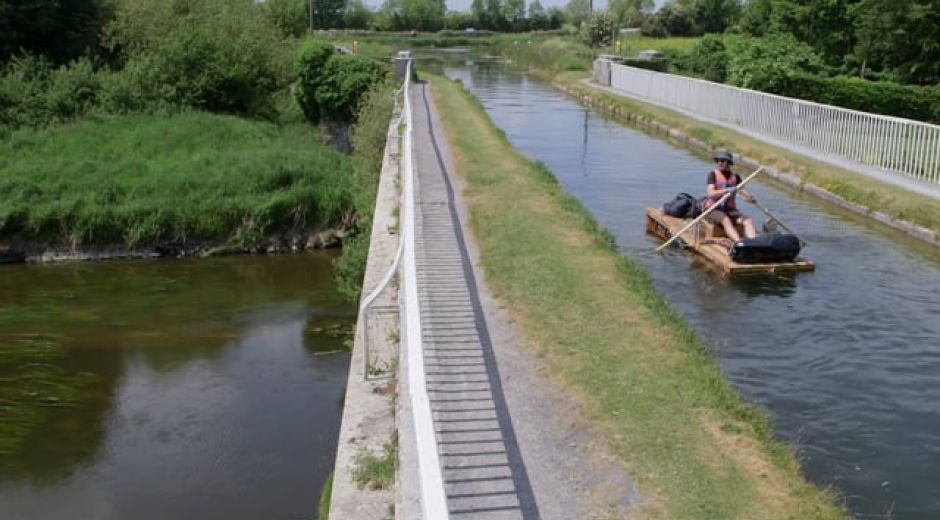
323,508
377,471
110,144
696,449
143,179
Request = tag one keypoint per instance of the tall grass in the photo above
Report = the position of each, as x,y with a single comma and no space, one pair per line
139,179
553,55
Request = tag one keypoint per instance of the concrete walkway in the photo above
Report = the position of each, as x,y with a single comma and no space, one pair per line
511,445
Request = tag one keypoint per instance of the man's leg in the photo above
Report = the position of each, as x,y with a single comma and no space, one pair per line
730,230
749,231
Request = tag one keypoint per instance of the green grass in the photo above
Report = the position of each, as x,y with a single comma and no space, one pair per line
137,180
553,55
323,509
668,46
695,448
377,471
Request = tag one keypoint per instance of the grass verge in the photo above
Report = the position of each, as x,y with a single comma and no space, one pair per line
696,449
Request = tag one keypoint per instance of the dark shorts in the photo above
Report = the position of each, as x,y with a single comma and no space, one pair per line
715,217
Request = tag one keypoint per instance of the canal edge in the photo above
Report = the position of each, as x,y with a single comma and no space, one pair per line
368,426
674,135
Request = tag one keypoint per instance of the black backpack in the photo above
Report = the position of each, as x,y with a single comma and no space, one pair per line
683,206
765,249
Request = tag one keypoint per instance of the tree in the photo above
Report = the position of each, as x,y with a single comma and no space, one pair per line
766,63
289,16
358,15
479,13
328,14
515,14
495,14
631,13
538,19
898,38
714,16
672,19
598,30
577,11
59,30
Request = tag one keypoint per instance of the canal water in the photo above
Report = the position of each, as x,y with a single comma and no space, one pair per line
845,360
205,388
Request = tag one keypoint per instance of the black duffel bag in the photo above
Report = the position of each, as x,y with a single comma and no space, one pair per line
683,206
765,249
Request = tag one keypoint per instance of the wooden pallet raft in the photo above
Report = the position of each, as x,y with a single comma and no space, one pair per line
701,240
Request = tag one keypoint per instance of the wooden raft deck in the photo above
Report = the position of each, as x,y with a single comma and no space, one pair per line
696,239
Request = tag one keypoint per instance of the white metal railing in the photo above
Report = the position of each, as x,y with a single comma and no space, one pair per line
365,308
907,147
433,499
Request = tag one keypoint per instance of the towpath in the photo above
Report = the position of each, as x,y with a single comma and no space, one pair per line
511,443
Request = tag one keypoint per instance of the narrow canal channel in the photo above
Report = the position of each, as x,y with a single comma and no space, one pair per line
845,360
207,388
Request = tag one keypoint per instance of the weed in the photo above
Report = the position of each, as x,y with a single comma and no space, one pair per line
377,472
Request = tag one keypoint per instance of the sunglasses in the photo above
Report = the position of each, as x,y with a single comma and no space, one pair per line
719,161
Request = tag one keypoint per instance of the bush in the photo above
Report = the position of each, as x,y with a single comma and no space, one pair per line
708,59
880,97
598,30
766,63
370,132
209,54
289,16
34,94
344,83
309,65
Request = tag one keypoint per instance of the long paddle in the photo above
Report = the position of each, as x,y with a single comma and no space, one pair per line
772,217
707,211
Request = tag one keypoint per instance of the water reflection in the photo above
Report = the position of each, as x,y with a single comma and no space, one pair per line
782,286
844,359
199,388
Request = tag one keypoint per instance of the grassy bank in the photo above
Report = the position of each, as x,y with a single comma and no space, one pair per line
695,448
142,179
552,60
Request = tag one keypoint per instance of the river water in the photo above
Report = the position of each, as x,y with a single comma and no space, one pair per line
205,388
845,360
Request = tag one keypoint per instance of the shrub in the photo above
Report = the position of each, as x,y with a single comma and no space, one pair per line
766,63
880,97
708,59
34,94
209,54
309,65
344,83
73,90
289,16
598,29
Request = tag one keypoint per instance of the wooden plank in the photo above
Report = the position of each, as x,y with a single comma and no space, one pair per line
665,226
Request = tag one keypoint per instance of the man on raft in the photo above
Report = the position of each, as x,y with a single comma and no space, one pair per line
720,181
